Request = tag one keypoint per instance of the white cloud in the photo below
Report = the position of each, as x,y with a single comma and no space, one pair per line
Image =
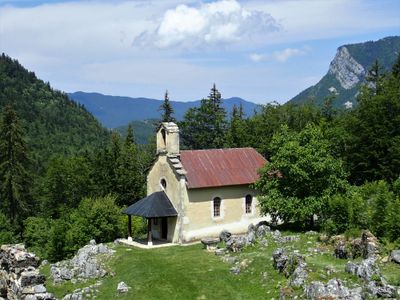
279,56
287,53
220,22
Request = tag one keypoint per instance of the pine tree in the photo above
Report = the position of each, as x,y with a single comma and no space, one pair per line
236,134
129,140
374,77
167,110
14,179
204,127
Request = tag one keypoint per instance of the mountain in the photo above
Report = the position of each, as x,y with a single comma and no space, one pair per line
53,123
348,69
114,111
142,130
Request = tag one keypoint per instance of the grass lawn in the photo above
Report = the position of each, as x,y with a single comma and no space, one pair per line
189,272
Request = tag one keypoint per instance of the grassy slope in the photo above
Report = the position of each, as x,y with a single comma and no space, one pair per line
192,273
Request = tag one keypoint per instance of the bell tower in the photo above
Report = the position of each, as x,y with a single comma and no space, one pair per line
168,138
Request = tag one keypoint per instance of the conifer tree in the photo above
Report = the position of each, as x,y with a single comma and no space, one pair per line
129,140
167,110
204,127
14,161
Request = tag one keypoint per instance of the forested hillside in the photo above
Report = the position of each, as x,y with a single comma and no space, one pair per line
54,124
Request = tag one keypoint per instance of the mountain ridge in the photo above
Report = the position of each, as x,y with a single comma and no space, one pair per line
116,111
348,69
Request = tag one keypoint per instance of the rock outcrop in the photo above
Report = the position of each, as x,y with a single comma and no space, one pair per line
19,278
346,69
83,265
334,289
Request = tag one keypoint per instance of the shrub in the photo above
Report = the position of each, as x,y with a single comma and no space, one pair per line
36,234
7,235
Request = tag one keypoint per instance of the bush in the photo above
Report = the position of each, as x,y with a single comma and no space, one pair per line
37,234
345,212
95,218
7,235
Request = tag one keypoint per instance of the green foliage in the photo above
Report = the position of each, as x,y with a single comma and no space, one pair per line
14,163
167,110
345,212
301,176
236,135
53,123
265,124
373,142
66,182
7,234
37,234
204,127
95,218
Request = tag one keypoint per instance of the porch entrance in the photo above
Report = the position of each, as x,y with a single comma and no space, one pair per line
164,228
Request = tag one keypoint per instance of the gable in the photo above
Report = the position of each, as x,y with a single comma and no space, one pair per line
221,167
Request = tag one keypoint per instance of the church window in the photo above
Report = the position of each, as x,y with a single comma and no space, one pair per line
217,207
248,203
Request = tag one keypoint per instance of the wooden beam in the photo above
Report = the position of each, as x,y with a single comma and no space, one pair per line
129,227
149,237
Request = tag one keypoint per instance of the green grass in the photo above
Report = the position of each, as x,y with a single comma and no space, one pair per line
189,272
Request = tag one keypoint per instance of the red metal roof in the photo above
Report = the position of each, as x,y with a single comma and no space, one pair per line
221,167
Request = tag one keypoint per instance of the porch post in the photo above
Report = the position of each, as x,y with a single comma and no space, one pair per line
149,237
129,228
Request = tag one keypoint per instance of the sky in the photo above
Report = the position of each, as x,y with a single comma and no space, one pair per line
259,50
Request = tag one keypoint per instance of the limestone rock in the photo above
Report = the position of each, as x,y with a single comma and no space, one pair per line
381,289
279,259
83,265
262,230
334,289
395,256
224,236
341,251
236,244
122,287
19,278
346,69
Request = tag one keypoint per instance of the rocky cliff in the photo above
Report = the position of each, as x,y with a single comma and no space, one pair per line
348,69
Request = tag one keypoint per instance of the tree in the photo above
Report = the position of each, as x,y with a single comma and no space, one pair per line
204,127
236,134
14,179
374,77
167,110
301,175
130,139
373,127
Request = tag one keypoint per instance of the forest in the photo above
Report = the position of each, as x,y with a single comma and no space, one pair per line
330,169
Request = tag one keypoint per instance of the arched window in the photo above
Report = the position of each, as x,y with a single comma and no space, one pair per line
217,207
163,183
248,203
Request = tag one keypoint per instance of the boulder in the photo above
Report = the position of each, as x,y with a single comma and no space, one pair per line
122,287
299,275
395,256
250,237
262,230
236,244
341,251
31,278
381,289
280,258
83,265
19,278
210,243
224,236
334,289
370,244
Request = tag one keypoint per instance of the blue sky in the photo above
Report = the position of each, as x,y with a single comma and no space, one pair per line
261,51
